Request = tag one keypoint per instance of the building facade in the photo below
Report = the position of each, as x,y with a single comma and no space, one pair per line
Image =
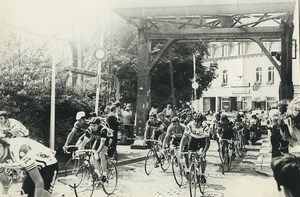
246,78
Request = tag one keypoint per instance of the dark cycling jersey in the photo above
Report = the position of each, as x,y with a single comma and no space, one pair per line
101,132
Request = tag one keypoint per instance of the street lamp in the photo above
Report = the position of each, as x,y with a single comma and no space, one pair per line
99,55
195,85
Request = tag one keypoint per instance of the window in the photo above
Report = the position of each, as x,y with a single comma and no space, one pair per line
225,77
225,50
259,74
271,75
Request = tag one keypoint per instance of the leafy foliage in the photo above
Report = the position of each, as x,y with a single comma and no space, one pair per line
182,62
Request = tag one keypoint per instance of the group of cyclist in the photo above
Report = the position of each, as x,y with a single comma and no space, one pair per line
18,151
192,135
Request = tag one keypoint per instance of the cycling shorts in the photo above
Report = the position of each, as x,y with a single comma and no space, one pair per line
196,143
49,175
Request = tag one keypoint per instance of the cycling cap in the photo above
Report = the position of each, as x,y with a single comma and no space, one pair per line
95,120
80,115
3,113
175,119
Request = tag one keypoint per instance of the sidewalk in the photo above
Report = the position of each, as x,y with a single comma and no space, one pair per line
263,162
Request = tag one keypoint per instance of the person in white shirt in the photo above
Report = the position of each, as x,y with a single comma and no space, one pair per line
10,127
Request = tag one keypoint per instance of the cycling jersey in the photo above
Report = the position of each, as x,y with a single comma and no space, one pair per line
101,132
14,127
79,126
152,129
38,156
197,132
176,131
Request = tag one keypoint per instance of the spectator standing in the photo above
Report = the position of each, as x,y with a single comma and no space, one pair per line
113,124
168,112
107,108
128,121
118,110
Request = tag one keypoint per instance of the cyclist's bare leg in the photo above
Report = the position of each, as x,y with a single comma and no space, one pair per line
103,161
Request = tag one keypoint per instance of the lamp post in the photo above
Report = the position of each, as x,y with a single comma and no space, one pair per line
195,85
99,55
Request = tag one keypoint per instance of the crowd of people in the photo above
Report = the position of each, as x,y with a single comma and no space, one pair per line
185,128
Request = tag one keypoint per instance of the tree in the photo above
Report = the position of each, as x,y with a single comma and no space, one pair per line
181,57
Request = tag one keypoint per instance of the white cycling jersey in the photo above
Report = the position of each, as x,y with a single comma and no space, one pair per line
15,127
38,156
197,132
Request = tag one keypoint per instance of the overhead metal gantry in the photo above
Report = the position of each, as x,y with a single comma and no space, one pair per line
203,20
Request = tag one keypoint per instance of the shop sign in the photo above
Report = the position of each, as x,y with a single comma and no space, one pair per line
241,91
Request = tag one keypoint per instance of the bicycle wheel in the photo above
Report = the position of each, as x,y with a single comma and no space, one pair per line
229,158
202,181
224,160
110,185
240,147
72,166
165,162
193,182
84,180
177,171
149,162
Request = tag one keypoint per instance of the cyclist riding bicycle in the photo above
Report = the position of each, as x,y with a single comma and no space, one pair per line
154,128
102,137
10,127
226,131
175,132
198,131
38,162
79,127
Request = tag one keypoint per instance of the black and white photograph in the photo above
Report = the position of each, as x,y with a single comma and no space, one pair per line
140,98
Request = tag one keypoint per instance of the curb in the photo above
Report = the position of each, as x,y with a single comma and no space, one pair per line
263,161
129,161
121,163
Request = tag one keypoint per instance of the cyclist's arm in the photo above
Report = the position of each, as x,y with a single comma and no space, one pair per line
166,140
102,144
70,136
18,129
207,144
146,131
84,142
183,142
33,172
4,180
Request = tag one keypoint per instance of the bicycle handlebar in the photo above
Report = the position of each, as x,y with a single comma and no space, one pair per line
11,165
84,151
151,140
229,141
71,146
